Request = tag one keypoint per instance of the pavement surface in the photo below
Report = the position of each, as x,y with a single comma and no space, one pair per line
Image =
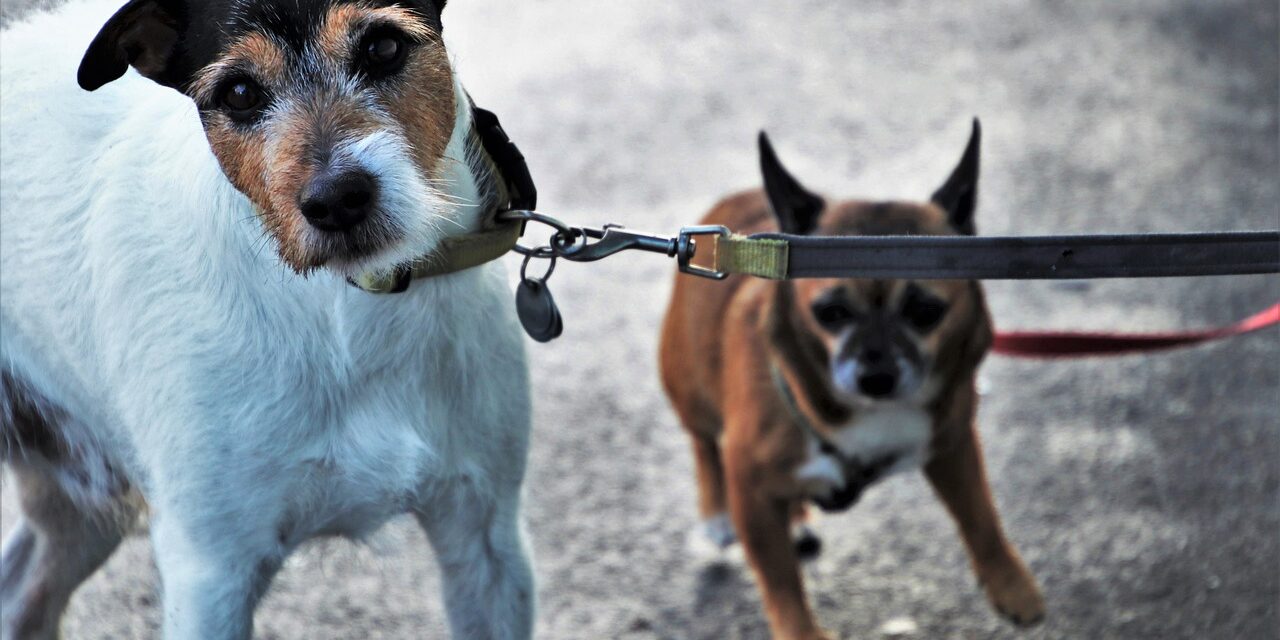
1143,491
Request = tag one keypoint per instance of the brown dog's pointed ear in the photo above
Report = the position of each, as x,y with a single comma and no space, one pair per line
142,34
959,195
796,208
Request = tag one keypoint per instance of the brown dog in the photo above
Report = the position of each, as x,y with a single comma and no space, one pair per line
812,390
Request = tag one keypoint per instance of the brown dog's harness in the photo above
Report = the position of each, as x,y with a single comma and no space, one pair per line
857,474
797,415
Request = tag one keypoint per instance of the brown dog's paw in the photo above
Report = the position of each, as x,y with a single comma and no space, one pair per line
808,631
807,544
1016,596
817,635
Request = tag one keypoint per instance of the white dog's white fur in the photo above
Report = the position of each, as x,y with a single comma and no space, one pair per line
252,408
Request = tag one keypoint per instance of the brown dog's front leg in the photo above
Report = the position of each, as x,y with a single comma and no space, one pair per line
763,525
959,478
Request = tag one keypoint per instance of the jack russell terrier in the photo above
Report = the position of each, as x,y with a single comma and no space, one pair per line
178,335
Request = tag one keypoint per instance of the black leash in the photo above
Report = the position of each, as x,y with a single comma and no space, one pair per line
784,256
721,253
781,256
1155,255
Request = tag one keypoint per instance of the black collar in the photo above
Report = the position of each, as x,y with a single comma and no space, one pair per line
512,169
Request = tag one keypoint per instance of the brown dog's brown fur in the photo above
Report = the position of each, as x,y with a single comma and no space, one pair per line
719,340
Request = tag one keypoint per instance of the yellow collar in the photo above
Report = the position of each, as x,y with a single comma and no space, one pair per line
454,254
501,159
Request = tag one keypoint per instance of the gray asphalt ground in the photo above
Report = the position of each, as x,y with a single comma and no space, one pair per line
1143,491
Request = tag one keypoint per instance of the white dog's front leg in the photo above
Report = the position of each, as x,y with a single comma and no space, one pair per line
484,561
212,573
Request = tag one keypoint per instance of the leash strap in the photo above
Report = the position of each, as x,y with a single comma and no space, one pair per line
1067,344
781,256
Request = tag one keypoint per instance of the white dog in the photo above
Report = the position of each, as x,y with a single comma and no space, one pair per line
178,333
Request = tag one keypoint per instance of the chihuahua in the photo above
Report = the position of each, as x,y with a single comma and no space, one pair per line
813,390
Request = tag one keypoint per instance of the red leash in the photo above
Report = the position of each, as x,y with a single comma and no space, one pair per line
1068,344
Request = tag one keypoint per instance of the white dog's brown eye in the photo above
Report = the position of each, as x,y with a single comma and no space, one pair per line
242,98
383,50
383,53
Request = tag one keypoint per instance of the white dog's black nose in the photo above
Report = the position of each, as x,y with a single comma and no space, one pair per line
338,201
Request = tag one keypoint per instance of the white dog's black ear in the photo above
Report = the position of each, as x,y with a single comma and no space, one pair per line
439,4
143,34
432,10
959,195
796,208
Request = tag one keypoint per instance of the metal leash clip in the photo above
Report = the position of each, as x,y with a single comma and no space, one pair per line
609,240
588,244
536,307
688,246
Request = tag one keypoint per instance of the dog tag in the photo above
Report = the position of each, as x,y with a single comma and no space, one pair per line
537,310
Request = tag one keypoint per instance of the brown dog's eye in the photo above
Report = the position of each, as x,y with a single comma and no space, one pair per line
832,315
922,310
242,99
382,53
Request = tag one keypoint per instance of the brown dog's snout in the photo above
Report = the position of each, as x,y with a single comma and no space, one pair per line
867,365
338,200
877,372
877,384
873,355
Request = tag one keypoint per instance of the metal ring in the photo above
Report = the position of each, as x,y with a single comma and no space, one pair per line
525,265
524,216
688,246
563,243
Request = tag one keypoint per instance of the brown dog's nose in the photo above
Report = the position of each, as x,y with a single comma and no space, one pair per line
338,201
877,384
